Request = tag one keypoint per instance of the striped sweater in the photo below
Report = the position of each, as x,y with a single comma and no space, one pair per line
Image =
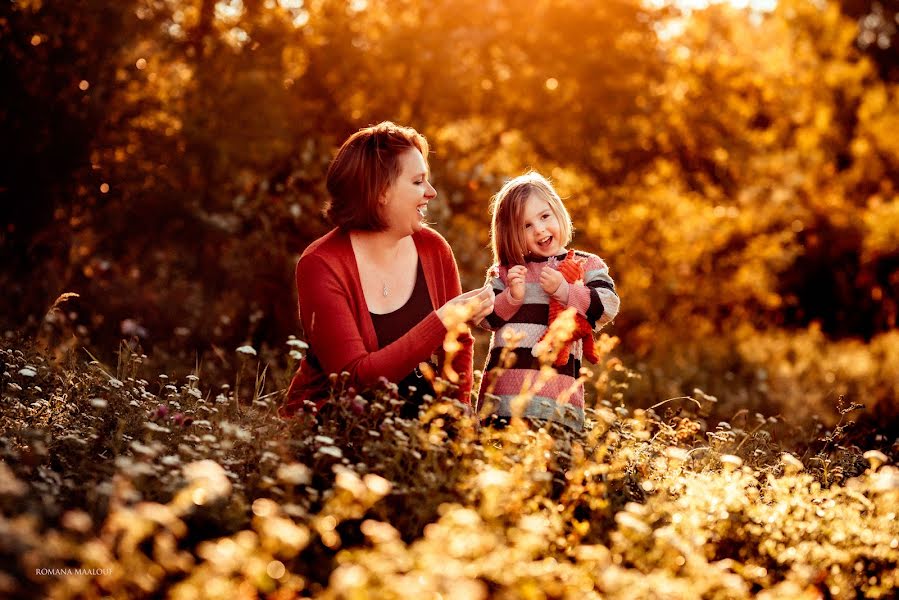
561,398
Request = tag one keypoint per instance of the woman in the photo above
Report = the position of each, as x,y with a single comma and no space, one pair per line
378,293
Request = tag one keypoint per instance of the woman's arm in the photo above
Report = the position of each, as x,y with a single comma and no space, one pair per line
464,358
335,335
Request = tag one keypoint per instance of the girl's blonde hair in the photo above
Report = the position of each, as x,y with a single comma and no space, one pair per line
507,238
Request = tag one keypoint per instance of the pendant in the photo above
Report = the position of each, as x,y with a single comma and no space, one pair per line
385,291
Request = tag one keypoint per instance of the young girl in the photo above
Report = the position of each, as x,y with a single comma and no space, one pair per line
529,234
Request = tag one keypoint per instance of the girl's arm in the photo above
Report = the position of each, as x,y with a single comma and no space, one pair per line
333,332
504,305
595,299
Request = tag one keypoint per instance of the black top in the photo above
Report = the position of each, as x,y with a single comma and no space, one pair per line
391,326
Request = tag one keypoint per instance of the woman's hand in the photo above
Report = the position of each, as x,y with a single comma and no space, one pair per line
550,280
469,307
516,277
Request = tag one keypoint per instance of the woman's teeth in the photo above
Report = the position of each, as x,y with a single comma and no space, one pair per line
422,210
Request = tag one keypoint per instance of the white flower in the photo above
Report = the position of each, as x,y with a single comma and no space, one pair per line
99,403
494,478
208,475
248,350
295,474
323,439
629,521
28,372
331,451
294,343
142,449
154,427
115,383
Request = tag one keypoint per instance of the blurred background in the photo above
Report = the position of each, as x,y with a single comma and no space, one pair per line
735,163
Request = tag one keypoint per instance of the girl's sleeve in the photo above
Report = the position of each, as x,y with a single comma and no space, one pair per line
332,329
595,299
504,306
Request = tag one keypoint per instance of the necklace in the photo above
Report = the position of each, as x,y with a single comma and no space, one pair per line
385,282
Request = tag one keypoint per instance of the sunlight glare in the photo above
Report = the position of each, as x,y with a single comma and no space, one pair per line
691,5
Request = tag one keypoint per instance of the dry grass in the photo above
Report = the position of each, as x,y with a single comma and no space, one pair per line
171,488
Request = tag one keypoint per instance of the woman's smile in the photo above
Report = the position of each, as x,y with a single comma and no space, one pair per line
406,200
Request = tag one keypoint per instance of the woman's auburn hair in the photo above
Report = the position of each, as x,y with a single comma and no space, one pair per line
363,169
507,237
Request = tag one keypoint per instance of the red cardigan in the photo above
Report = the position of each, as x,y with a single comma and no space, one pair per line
338,325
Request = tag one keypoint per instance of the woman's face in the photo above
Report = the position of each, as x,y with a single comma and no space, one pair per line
405,202
542,230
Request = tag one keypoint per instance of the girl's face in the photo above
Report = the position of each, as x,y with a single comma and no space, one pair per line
406,200
542,231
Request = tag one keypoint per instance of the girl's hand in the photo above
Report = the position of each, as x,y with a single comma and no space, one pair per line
516,277
550,280
470,307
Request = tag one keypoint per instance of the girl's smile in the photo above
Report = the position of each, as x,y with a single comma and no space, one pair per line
541,227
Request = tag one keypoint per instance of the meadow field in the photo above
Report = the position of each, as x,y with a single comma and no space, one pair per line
735,163
119,483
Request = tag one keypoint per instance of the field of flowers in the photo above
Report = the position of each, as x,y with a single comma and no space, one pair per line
115,482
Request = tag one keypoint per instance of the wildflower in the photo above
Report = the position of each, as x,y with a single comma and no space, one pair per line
731,462
875,458
357,405
331,451
323,439
161,411
142,449
247,350
77,520
494,478
676,454
295,474
791,463
27,372
210,478
632,522
116,383
377,485
298,344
